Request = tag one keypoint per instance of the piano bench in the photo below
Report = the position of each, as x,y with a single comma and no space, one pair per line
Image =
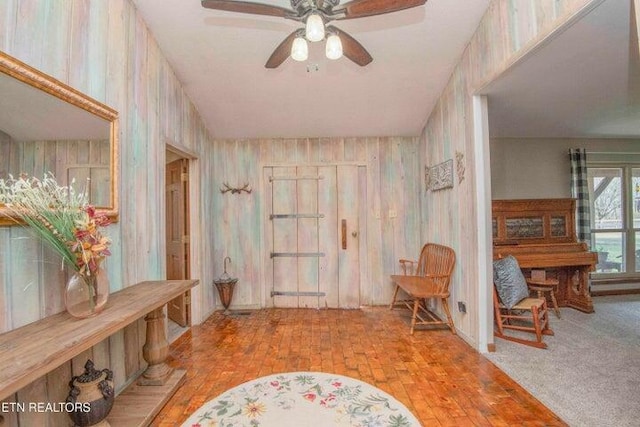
541,286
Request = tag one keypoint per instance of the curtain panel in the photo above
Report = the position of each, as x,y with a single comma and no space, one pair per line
580,191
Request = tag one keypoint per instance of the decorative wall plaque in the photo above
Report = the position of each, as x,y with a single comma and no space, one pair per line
440,176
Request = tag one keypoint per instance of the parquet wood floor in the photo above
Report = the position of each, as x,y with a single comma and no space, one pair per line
438,376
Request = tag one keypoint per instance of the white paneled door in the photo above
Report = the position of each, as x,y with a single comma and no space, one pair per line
313,236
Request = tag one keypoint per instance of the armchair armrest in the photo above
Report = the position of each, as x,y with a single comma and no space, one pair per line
404,263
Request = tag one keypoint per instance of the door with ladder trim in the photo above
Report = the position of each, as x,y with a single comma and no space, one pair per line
313,236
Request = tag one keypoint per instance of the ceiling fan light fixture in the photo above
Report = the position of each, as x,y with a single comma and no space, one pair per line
316,16
333,49
299,49
314,30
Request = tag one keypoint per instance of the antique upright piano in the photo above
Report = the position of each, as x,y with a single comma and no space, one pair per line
540,234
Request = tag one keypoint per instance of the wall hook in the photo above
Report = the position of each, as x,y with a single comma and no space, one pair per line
236,190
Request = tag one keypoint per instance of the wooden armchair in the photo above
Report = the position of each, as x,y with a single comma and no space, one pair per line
427,278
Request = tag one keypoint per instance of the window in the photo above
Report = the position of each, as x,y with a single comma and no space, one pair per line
615,218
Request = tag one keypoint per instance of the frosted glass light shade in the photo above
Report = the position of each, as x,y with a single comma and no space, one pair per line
333,50
314,30
299,49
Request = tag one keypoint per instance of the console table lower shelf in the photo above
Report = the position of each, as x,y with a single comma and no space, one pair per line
60,337
138,404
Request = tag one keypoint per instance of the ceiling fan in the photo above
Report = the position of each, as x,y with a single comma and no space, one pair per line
315,14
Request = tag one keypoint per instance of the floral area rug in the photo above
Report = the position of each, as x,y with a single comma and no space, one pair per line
299,399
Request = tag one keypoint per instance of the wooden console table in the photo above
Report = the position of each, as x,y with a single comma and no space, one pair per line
33,350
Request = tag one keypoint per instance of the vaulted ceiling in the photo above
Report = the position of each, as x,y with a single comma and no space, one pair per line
583,83
219,57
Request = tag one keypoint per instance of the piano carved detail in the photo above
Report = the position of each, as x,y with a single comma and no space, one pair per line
575,282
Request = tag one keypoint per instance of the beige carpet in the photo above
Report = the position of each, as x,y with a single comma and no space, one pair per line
590,374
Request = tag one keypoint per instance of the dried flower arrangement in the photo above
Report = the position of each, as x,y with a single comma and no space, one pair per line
63,218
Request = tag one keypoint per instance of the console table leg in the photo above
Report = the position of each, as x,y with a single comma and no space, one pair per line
155,351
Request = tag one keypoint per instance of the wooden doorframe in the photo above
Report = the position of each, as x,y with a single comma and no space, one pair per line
195,224
482,165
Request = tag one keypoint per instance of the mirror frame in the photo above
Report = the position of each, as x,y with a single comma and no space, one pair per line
39,80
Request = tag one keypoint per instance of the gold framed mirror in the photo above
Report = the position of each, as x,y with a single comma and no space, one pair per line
48,126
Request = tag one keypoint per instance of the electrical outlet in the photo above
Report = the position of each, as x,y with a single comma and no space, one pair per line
462,307
393,213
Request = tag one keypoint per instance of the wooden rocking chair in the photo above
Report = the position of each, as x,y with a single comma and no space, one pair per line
529,315
429,277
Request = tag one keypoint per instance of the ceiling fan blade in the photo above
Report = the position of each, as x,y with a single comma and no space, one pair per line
351,48
362,8
282,52
248,7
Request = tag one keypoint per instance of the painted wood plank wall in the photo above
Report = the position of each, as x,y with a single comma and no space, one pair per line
104,49
392,183
508,30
